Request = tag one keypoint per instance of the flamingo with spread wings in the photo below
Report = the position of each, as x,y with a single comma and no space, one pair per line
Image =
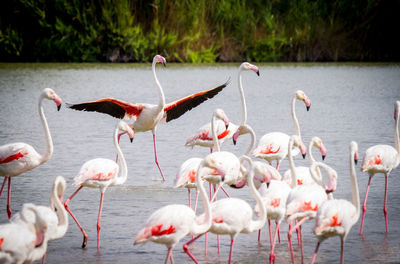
147,116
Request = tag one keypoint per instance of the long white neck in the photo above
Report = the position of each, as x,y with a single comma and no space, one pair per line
311,157
253,140
291,163
214,134
354,185
202,227
121,178
244,109
260,222
61,212
161,102
295,121
49,142
396,134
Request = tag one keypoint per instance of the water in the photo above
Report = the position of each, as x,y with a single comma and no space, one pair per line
348,102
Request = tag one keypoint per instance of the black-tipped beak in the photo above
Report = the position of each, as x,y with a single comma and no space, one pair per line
258,73
165,64
234,142
226,126
131,140
58,107
328,191
355,161
304,156
323,157
308,108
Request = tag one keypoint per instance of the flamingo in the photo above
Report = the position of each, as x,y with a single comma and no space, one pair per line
336,217
304,200
17,158
55,216
203,137
101,173
147,116
231,216
23,241
169,224
382,159
303,173
273,146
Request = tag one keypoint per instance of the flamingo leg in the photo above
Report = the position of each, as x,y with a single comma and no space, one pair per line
186,248
216,191
297,232
195,203
73,216
231,251
98,219
341,250
171,256
277,164
301,245
259,235
279,233
365,204
9,211
272,254
155,154
44,258
190,202
168,255
2,186
290,243
269,231
223,189
315,252
384,205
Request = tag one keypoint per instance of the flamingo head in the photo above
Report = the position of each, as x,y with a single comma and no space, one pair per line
296,141
332,181
396,110
317,142
249,66
125,128
220,114
300,95
354,147
160,59
243,129
49,94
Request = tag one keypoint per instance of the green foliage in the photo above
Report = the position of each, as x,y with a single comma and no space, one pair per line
199,30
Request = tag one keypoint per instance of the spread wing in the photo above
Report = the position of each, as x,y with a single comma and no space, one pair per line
110,106
177,108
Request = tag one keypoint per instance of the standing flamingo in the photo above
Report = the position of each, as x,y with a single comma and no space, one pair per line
17,158
273,146
169,224
54,216
336,217
382,159
304,200
101,173
203,137
303,173
23,241
231,216
149,115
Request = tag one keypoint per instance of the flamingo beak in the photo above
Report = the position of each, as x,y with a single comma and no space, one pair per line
323,151
58,101
303,151
356,158
307,102
258,73
58,107
236,136
131,140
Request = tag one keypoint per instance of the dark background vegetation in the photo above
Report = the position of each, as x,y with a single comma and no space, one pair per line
199,31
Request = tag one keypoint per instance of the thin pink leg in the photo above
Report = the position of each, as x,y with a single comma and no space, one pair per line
155,155
315,252
365,205
301,245
341,250
168,255
222,188
186,248
290,243
297,232
98,219
190,202
272,254
384,206
259,235
171,257
9,211
197,198
206,241
269,231
277,165
44,258
219,249
216,191
2,186
230,252
73,216
279,233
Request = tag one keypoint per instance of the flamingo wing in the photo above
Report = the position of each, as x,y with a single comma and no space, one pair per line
177,108
113,107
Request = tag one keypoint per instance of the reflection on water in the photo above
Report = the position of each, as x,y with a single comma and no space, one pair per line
349,102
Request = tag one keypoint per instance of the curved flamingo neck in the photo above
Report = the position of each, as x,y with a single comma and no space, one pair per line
121,178
354,185
214,134
294,117
253,140
200,228
57,192
242,98
49,142
161,102
396,134
259,223
291,163
309,150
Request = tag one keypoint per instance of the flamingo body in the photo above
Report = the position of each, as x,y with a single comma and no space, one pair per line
203,137
186,177
97,173
17,158
224,167
380,159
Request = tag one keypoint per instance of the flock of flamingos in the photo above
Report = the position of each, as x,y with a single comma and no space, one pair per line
299,195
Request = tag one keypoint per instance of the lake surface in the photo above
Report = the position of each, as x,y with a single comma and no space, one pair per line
348,102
